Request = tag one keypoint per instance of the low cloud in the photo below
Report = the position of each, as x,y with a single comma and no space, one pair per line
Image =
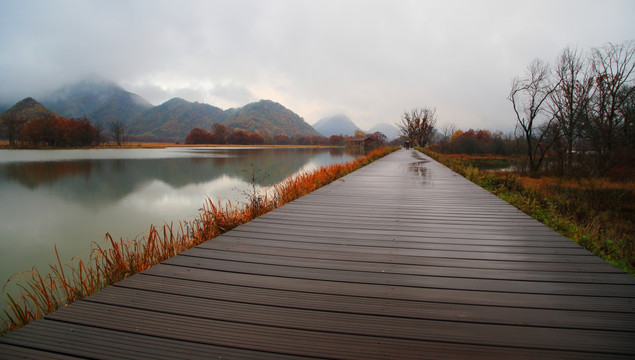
371,60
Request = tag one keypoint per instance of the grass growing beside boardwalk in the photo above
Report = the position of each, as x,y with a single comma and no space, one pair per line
66,283
597,213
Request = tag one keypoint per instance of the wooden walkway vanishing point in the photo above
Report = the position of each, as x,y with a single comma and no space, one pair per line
401,259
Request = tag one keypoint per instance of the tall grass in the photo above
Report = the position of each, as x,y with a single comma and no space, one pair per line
66,283
597,213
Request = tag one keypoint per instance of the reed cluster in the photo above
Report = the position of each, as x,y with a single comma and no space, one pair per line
118,259
597,213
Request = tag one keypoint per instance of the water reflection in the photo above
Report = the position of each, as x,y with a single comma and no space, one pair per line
72,201
421,171
103,181
419,168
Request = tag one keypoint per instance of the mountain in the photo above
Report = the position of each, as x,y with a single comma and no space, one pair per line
122,106
174,119
102,101
29,109
389,130
82,97
336,125
268,118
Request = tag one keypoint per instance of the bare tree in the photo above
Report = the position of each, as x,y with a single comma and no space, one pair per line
529,96
119,132
417,126
570,101
612,68
447,130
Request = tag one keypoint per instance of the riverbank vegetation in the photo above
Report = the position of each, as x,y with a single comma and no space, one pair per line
596,212
117,259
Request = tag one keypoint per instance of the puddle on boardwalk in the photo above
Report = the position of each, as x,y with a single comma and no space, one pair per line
419,168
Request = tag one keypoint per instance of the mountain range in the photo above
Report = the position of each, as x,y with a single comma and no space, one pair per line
103,102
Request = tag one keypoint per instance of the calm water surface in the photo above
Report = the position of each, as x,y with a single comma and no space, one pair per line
71,198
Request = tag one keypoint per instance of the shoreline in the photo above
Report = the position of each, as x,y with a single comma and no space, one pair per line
4,145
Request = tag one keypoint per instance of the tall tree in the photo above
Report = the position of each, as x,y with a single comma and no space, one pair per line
529,96
417,125
570,101
612,68
219,133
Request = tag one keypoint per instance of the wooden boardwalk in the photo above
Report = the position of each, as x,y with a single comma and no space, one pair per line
401,259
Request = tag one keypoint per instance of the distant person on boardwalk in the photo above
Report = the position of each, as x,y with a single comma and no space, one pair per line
407,145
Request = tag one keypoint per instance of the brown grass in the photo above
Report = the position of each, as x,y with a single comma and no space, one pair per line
42,294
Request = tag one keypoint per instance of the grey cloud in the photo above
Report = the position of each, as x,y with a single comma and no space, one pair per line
369,59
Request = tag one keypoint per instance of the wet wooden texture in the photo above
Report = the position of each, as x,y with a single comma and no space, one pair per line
401,259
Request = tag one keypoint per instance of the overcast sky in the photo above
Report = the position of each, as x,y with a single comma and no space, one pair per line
370,60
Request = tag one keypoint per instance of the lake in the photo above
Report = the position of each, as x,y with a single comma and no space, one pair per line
71,198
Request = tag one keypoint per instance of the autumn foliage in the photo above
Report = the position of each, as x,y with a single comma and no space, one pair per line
30,124
57,131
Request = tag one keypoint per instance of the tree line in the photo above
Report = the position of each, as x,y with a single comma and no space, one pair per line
220,134
49,130
33,128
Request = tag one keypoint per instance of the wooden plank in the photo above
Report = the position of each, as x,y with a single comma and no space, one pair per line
507,299
303,342
398,250
369,325
420,309
392,268
10,352
99,343
436,282
414,243
395,231
584,269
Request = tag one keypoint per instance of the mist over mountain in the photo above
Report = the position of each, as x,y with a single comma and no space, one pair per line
339,124
82,97
104,102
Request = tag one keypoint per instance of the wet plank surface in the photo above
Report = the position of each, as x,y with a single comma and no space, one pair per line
402,259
